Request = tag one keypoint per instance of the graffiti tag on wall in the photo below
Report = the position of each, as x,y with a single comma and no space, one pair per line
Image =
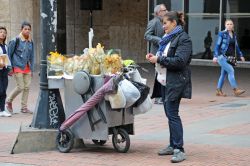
53,110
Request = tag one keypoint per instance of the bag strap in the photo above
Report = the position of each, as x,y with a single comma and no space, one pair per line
235,53
16,45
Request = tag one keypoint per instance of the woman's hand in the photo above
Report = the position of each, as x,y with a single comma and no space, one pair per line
151,58
149,55
215,60
242,59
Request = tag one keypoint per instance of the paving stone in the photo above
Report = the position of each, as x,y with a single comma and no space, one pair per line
216,130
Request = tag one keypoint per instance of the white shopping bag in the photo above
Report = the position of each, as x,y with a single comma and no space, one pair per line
130,92
136,76
161,74
143,107
116,100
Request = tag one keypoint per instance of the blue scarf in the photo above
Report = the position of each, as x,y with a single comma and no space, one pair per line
167,38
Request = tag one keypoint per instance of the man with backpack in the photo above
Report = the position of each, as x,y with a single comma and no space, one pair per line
21,54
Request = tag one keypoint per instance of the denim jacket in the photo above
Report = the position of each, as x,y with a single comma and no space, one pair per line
23,54
222,44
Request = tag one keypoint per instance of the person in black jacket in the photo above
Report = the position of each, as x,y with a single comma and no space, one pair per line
174,56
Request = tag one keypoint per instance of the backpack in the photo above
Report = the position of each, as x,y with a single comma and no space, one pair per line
16,45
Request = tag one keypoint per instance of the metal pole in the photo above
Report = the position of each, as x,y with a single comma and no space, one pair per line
91,31
91,19
49,112
147,22
223,8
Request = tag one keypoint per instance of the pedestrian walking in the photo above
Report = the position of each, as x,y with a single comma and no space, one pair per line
174,56
4,68
21,53
153,35
226,47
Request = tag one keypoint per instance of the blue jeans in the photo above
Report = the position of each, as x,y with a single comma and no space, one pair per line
226,69
175,125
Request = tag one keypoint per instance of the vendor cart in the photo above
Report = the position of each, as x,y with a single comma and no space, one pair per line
99,122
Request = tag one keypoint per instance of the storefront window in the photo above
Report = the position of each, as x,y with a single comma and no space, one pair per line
203,6
170,4
202,26
205,18
239,12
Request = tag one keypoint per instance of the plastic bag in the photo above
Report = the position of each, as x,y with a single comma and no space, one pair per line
136,76
116,100
144,107
161,74
144,91
130,92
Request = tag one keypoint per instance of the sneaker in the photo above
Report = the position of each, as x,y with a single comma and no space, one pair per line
5,114
178,156
238,91
26,110
166,151
8,106
8,111
220,93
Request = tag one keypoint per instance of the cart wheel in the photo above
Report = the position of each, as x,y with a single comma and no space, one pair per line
121,140
65,141
99,142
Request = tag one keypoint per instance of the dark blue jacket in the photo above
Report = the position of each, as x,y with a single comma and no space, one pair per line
222,44
178,72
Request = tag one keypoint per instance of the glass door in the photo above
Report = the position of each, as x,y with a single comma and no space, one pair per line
205,17
202,24
239,12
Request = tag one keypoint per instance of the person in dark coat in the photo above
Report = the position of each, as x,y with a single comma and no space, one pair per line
174,55
4,69
207,45
153,35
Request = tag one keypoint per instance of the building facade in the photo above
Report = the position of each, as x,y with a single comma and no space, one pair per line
121,24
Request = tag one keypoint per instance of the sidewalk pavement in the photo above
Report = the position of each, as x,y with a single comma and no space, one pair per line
216,130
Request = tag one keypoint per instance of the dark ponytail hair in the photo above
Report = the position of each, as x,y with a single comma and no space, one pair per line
177,16
1,27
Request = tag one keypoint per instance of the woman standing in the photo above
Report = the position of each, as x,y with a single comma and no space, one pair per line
3,72
153,35
174,57
226,46
21,53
